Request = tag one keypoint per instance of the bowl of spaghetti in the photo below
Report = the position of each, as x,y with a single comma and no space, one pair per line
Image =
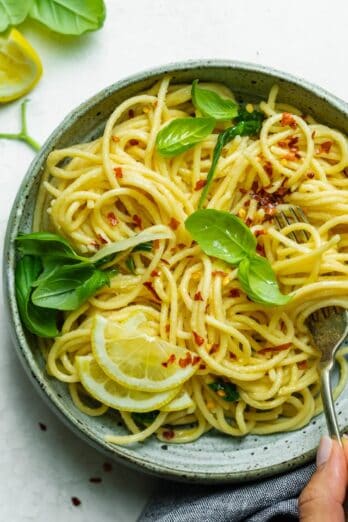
154,298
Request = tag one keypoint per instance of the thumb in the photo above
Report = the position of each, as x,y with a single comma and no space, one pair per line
322,498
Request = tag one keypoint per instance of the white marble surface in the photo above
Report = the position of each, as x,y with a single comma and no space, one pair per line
41,470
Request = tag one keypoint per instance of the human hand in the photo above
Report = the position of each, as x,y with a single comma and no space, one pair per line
323,497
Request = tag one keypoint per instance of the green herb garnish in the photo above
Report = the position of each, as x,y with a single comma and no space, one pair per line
225,236
212,105
181,134
228,390
38,321
243,128
22,135
143,247
130,264
60,279
73,17
145,418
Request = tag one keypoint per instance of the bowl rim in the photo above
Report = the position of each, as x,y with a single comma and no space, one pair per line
17,331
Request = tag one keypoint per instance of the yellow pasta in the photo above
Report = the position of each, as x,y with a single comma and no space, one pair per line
107,190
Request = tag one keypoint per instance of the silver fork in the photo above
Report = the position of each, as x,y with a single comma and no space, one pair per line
328,326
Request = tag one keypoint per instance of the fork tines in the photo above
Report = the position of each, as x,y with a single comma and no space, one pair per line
289,215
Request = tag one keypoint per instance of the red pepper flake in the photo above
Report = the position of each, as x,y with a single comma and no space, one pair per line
167,327
200,184
118,172
293,141
155,273
183,362
214,348
95,480
260,232
310,175
156,244
171,360
116,139
164,260
325,147
75,501
198,339
233,356
302,365
283,144
278,348
42,426
195,360
107,467
242,190
234,292
113,220
137,221
219,273
102,239
248,222
198,296
202,366
95,245
133,142
290,156
261,250
151,289
268,169
174,223
288,119
131,113
345,172
168,434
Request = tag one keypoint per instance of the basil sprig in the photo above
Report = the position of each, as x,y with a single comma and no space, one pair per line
212,105
247,127
39,321
72,17
52,277
181,134
225,236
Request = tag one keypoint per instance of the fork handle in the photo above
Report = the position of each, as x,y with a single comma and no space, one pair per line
328,404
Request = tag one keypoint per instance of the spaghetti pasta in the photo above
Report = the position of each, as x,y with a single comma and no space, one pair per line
106,190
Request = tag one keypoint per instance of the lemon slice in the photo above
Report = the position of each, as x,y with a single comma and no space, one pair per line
109,392
20,66
181,402
141,362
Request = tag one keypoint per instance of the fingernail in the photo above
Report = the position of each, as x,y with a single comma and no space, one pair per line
324,450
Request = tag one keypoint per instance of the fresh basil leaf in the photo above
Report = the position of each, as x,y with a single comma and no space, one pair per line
145,418
259,282
243,128
46,244
143,247
212,105
181,134
130,264
221,234
38,321
245,115
228,390
13,12
69,287
72,17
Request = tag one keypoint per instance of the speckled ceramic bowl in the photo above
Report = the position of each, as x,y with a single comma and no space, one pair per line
214,457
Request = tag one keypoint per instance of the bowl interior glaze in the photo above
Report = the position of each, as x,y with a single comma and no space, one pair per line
214,457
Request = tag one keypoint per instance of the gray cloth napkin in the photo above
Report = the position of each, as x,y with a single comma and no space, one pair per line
272,499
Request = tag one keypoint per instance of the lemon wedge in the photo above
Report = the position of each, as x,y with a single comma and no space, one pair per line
140,361
181,402
20,67
109,392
